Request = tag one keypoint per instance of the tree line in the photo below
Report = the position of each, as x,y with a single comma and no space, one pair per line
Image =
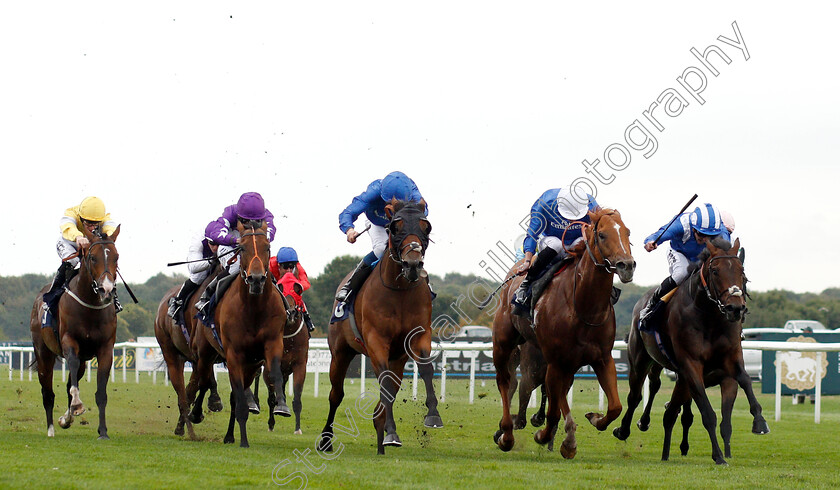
456,304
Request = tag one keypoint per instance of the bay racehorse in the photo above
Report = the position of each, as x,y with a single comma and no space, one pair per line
175,345
250,319
87,328
573,324
393,312
528,357
700,337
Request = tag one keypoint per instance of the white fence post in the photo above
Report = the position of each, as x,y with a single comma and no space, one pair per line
778,385
473,356
364,363
443,376
818,389
414,382
317,374
125,363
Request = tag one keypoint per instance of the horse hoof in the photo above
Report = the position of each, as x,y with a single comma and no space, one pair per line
229,440
433,421
642,427
254,409
79,410
299,432
51,431
568,452
595,418
196,418
214,403
325,444
760,427
620,434
104,438
721,462
244,444
496,436
282,411
65,422
179,431
392,440
519,423
504,443
538,420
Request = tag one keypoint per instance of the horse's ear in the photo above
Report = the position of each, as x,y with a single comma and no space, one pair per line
115,233
742,255
422,204
89,235
737,245
389,209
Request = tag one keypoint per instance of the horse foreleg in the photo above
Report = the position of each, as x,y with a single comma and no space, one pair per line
341,357
299,373
274,355
679,397
75,406
526,387
176,376
105,358
687,419
607,378
728,392
640,365
426,370
558,383
214,401
239,407
694,378
539,417
390,380
759,425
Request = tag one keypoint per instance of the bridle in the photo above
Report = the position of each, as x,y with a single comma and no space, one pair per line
713,294
397,250
87,256
243,271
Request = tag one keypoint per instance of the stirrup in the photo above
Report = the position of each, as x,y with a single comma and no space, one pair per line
343,293
174,306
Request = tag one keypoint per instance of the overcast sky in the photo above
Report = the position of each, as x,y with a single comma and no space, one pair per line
168,111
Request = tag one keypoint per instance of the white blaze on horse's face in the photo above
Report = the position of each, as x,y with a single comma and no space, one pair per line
620,239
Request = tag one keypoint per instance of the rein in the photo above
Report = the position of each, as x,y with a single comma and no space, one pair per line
243,271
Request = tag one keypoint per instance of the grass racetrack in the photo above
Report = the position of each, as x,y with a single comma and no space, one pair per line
144,453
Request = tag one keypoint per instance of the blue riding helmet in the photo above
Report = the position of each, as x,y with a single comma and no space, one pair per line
286,254
706,219
396,185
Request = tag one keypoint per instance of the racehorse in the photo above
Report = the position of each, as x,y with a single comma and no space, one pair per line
573,324
701,337
250,319
176,349
295,356
393,311
87,328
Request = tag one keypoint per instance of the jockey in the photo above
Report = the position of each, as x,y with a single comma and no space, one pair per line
687,235
558,217
395,185
90,215
250,207
202,260
288,272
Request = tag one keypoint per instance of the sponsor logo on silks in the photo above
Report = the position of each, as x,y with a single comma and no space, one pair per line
223,233
799,369
339,310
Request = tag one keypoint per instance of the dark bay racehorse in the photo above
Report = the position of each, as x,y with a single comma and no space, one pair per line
393,311
87,328
176,350
250,319
295,356
702,333
532,367
574,325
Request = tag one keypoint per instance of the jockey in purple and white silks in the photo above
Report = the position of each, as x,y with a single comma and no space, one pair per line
687,236
371,203
554,213
201,260
250,207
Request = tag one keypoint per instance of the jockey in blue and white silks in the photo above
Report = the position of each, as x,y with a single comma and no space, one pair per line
555,213
371,203
687,235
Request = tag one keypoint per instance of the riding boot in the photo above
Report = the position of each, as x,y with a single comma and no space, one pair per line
667,285
57,286
209,291
308,321
543,259
177,302
355,282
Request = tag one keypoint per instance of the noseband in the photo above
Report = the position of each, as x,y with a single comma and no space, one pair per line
714,295
243,271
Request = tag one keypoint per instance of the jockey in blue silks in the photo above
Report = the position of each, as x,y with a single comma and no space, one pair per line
556,212
371,203
687,236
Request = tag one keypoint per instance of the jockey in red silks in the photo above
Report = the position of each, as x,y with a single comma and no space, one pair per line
288,273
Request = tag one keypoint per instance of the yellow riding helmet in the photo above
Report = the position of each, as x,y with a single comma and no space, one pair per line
92,209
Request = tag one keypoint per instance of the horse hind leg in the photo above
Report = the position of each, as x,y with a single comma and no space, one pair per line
46,361
655,383
558,384
687,419
105,359
75,406
299,372
503,348
390,381
341,357
538,419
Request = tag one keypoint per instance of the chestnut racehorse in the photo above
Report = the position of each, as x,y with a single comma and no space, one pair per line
573,324
250,319
87,328
393,311
177,350
701,328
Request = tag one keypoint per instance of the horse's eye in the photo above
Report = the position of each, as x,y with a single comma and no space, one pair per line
602,236
714,272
